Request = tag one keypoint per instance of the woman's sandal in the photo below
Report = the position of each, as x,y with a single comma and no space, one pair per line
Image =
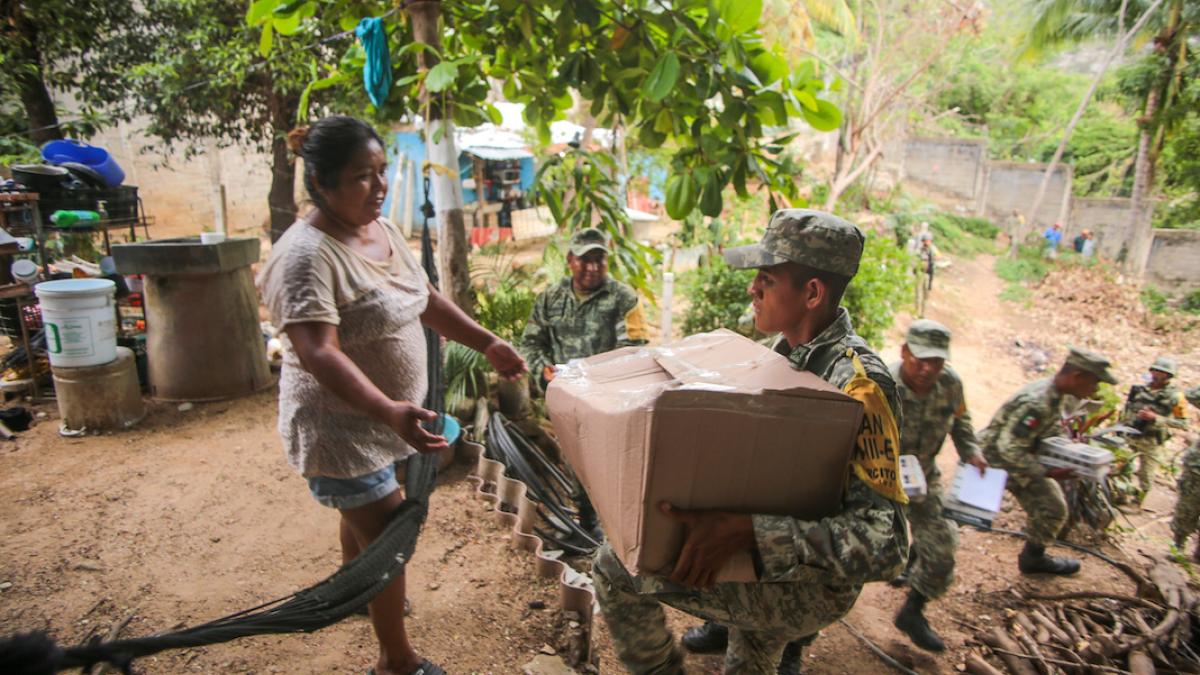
427,667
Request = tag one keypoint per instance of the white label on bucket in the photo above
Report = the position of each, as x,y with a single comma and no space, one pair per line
75,336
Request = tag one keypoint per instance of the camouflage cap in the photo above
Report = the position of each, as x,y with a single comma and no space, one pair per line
1091,362
928,339
1165,364
815,239
1193,396
586,240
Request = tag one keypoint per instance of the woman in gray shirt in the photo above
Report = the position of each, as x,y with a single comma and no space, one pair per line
351,301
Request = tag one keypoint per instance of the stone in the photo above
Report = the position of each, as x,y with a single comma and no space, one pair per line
544,664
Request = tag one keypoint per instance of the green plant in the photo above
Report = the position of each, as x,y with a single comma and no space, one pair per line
717,293
882,286
1191,302
465,372
959,235
1155,300
1028,267
504,297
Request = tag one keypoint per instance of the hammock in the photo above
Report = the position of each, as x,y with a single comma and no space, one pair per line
311,609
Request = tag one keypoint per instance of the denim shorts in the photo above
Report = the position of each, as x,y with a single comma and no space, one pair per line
349,493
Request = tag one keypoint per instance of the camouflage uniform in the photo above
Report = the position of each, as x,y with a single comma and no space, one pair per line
1011,440
564,326
810,572
927,420
1187,508
1166,404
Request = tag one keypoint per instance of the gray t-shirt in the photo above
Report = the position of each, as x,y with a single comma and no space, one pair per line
376,306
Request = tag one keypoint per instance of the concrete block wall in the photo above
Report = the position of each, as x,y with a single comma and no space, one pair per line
1110,219
178,189
1014,185
1174,261
950,165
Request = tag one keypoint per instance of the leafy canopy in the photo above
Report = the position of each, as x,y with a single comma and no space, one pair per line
692,75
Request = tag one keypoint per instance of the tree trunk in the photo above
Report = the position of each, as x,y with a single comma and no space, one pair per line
1122,40
447,185
1147,154
1143,177
35,98
281,199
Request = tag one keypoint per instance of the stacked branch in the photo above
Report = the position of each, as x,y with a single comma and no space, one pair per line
1096,632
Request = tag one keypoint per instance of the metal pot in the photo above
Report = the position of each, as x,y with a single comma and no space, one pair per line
40,177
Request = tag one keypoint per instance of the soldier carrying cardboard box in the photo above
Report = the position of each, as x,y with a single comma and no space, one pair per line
810,572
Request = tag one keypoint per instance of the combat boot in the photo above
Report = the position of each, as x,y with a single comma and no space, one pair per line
790,662
710,638
1033,560
912,622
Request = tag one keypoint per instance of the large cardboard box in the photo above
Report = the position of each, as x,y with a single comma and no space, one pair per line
715,421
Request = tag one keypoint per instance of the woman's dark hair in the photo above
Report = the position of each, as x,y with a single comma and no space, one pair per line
327,147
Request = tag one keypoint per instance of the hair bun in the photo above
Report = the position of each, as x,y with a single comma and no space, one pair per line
296,138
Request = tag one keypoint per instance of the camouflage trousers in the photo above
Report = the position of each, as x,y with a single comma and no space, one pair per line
934,540
1147,450
1044,504
1187,508
762,617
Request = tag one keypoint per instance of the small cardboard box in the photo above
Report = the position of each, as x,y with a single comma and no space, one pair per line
912,478
715,421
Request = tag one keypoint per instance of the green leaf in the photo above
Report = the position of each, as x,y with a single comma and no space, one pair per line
494,114
287,25
662,78
259,9
770,108
741,15
826,117
711,201
681,195
807,100
663,123
288,7
266,40
441,76
650,138
769,67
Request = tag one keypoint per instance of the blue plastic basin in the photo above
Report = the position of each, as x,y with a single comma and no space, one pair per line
70,150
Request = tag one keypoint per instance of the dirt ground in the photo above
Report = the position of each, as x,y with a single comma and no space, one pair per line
195,514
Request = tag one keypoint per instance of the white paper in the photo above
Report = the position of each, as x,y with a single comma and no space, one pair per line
982,492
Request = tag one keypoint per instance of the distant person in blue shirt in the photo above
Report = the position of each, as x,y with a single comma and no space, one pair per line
1053,237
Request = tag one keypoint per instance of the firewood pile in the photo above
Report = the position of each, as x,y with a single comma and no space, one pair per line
1097,632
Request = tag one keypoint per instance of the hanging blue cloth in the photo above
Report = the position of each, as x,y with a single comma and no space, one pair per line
377,70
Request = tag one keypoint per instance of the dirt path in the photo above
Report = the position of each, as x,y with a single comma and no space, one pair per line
195,515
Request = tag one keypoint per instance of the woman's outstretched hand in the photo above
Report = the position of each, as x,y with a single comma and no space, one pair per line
405,419
504,359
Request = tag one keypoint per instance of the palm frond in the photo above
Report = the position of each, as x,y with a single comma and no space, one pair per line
834,15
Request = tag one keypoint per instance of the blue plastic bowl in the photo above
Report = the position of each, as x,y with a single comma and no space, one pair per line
70,150
451,429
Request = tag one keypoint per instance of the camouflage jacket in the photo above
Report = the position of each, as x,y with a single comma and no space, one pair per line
868,539
563,327
928,418
1010,441
1167,403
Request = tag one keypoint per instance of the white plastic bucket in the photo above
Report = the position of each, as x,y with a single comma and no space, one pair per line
80,320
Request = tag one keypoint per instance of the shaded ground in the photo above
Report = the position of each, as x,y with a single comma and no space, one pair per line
194,515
